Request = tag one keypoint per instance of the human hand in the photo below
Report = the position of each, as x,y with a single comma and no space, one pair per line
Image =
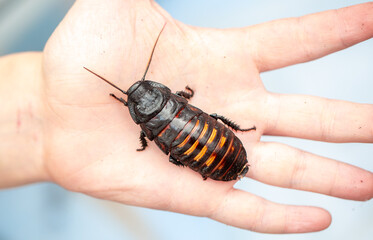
91,141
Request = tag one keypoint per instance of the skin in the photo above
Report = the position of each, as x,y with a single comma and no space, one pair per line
73,133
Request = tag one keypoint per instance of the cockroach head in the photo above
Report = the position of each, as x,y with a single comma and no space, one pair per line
146,99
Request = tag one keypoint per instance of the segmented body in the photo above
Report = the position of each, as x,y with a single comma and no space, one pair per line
197,140
190,136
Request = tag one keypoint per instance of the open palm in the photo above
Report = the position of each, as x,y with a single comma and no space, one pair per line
91,139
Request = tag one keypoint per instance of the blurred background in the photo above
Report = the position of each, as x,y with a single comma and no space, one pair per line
46,211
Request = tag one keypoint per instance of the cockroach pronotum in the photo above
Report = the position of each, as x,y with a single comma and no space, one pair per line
188,135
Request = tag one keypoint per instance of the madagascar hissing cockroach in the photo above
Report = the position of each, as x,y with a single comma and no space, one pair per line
188,135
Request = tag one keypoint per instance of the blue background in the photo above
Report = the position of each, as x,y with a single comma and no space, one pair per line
46,211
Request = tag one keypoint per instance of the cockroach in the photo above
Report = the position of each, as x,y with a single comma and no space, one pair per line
187,134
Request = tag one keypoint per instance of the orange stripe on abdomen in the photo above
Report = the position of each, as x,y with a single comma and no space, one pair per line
182,144
232,162
210,141
204,149
222,149
195,144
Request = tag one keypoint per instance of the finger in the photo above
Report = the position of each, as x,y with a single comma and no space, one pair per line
245,210
182,190
284,166
219,201
318,118
294,40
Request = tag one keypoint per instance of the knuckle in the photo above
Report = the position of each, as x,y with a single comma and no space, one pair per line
299,169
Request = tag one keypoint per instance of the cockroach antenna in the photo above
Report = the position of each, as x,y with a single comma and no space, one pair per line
146,70
151,55
112,84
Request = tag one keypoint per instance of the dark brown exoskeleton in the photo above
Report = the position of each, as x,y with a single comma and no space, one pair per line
190,136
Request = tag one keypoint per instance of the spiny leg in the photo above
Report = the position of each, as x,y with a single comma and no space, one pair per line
119,99
143,141
175,161
231,124
186,94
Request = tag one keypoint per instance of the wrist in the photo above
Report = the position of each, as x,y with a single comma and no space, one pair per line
21,116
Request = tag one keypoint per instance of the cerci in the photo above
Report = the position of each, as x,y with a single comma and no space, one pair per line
188,135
